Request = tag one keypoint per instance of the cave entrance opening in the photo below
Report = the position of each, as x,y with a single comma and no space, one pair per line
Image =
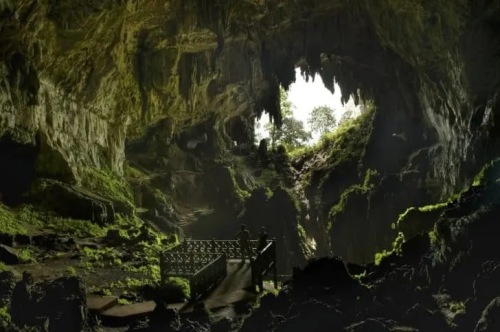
309,111
17,169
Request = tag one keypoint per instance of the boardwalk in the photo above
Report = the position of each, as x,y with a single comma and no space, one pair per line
234,288
207,263
216,277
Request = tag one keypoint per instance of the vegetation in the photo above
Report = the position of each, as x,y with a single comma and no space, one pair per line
458,307
9,223
347,142
26,255
486,173
16,221
107,184
180,283
362,188
5,319
396,249
428,208
322,120
292,134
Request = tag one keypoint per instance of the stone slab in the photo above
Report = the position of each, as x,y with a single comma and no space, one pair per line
234,297
101,303
130,310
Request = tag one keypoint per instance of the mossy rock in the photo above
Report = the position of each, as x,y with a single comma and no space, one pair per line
111,186
73,202
420,220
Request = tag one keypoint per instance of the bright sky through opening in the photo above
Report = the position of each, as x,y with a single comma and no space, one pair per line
305,96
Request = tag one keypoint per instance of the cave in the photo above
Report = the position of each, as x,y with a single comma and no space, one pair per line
17,169
146,116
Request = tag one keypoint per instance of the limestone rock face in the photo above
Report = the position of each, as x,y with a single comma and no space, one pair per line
82,80
83,76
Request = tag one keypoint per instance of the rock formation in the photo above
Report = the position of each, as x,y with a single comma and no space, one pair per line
119,120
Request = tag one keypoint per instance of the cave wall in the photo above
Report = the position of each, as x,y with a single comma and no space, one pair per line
84,77
87,75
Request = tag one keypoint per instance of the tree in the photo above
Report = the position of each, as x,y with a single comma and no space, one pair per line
322,120
292,133
350,112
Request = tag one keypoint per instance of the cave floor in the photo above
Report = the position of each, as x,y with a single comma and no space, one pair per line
97,264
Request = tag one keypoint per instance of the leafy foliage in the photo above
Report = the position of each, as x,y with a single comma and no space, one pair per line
292,133
322,120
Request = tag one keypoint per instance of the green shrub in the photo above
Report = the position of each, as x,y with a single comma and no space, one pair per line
107,184
9,224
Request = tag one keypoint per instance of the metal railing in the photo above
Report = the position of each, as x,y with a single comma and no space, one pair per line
264,262
177,264
229,247
209,276
204,263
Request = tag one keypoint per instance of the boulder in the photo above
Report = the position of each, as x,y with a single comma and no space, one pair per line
22,240
74,202
7,239
63,303
53,242
162,314
9,255
7,284
490,319
113,237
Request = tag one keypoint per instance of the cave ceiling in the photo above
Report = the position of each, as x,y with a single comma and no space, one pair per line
116,68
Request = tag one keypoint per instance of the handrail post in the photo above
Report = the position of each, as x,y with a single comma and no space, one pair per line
191,263
213,246
162,268
275,268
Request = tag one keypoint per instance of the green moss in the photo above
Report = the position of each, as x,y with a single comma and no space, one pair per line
363,188
302,232
130,283
5,319
70,227
99,290
107,184
396,249
9,223
182,283
480,178
124,301
241,194
26,255
133,173
430,208
458,308
423,209
3,267
433,237
71,270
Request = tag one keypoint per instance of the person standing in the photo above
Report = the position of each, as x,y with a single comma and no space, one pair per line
243,237
262,239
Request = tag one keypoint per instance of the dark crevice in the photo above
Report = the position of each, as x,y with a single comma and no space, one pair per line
17,169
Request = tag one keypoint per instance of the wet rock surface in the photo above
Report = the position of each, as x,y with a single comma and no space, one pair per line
447,284
59,305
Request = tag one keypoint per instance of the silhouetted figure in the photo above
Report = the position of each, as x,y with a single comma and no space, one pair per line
262,152
244,237
262,239
22,304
